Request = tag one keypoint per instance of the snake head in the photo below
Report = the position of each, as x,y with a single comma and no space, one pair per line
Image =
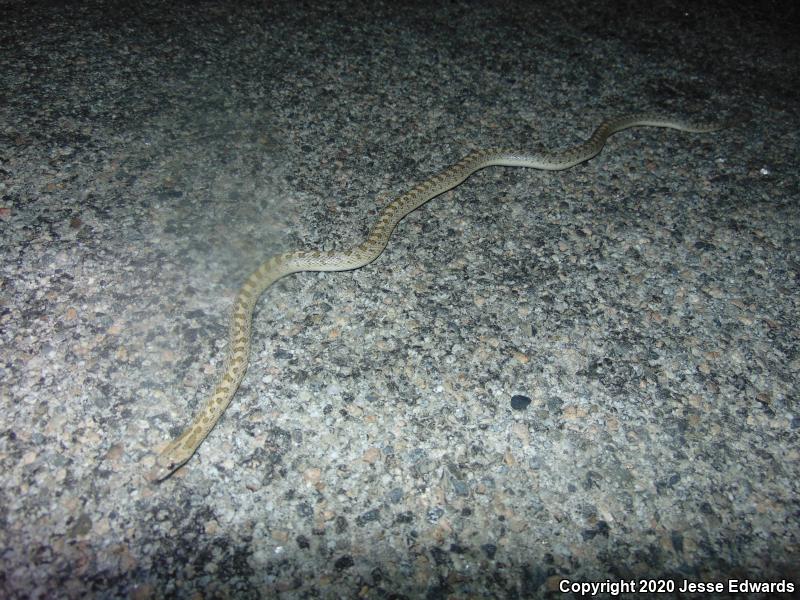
170,459
163,468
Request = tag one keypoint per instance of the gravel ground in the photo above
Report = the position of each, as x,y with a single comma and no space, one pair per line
548,377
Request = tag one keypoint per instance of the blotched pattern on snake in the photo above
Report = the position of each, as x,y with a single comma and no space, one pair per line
177,452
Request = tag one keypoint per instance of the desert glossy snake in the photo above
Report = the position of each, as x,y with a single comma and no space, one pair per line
180,450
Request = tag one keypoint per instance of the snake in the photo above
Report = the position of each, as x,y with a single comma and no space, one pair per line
178,451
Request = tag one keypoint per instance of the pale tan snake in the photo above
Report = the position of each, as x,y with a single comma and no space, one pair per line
177,452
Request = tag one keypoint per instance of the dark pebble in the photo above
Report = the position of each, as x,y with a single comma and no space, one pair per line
520,402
